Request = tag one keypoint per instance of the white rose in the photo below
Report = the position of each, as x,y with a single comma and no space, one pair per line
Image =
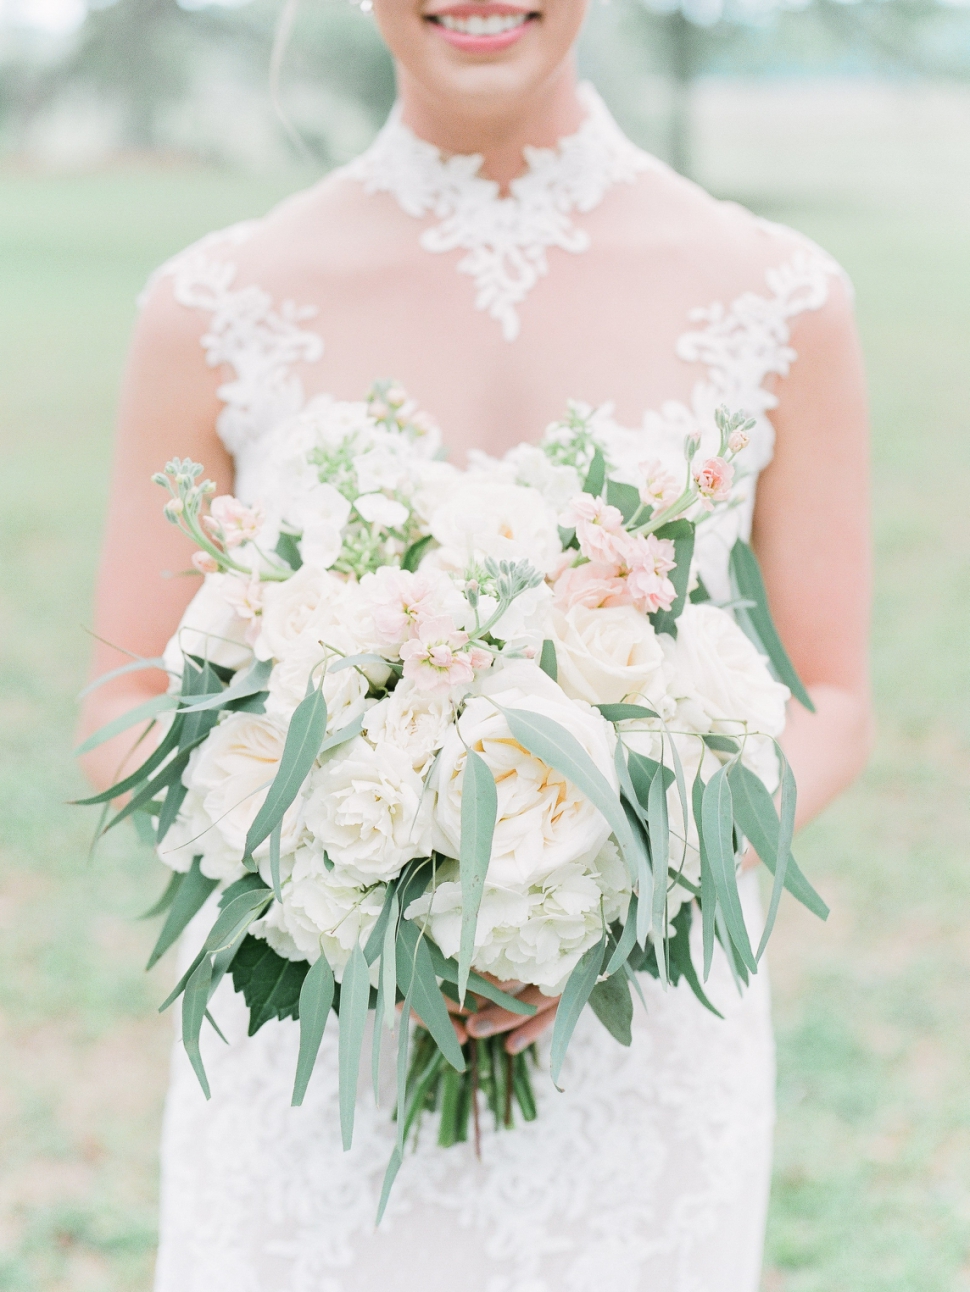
368,809
412,720
717,669
430,485
378,509
506,522
231,776
322,909
307,601
609,655
345,691
543,821
211,629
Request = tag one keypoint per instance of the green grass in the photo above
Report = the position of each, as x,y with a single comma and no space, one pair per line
872,1189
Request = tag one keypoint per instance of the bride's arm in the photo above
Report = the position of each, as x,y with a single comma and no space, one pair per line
811,535
168,408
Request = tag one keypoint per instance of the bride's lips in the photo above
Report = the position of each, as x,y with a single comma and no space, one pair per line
481,28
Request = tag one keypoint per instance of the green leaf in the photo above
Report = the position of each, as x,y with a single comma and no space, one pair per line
612,1004
681,964
700,593
357,661
354,998
136,666
624,712
343,735
783,851
389,962
557,748
626,940
198,682
248,884
624,497
717,815
479,807
186,903
194,1007
270,985
577,992
416,978
171,772
252,682
708,891
141,713
390,1175
596,475
412,557
275,839
758,821
166,899
746,574
316,998
548,661
721,744
288,551
174,798
234,918
448,970
169,742
682,534
660,855
304,737
182,983
375,941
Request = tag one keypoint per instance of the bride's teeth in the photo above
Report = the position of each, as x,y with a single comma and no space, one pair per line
476,25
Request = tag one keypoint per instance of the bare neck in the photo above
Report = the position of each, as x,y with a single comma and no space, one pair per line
550,112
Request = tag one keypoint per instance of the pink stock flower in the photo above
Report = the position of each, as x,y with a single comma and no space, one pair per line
398,599
244,595
737,441
599,528
659,488
592,585
713,479
205,563
434,659
479,658
232,521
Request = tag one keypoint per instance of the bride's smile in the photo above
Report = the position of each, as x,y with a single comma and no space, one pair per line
481,28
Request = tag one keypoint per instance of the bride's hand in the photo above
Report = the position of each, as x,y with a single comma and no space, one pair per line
522,1030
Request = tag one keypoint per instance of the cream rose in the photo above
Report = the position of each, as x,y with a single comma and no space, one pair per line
543,821
368,808
304,605
211,629
507,522
609,655
412,720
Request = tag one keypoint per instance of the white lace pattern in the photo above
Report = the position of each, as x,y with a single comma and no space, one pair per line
505,238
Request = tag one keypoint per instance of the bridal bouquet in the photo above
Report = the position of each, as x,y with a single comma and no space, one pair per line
436,733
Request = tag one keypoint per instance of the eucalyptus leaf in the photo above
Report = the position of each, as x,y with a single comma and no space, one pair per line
416,978
413,556
627,939
389,963
145,712
783,851
708,891
166,899
625,712
252,682
746,574
140,774
596,474
194,1006
174,798
574,997
354,998
234,918
275,841
612,1004
548,660
479,807
136,666
187,901
660,855
681,532
717,813
375,940
303,740
316,998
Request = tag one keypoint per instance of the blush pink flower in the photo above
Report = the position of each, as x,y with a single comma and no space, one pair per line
647,583
713,479
205,563
397,599
592,585
434,658
737,441
659,488
599,528
232,521
246,598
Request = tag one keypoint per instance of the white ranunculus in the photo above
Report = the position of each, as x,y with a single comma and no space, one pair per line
322,910
367,807
211,629
507,522
610,655
532,933
231,776
412,720
543,821
719,673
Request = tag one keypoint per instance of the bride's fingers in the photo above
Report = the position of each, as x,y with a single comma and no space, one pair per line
488,1022
456,1023
531,1030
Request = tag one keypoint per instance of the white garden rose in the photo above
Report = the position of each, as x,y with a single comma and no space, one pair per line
610,655
543,821
305,603
367,807
211,629
322,910
506,522
345,691
413,720
231,775
717,669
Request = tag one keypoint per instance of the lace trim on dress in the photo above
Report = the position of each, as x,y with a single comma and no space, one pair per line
506,238
259,342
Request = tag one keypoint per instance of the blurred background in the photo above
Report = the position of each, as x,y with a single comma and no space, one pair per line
129,129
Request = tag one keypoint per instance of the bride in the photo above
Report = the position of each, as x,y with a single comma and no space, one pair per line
500,248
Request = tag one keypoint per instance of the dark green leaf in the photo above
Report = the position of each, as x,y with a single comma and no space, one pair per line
624,497
287,550
304,737
718,820
682,534
316,998
413,556
700,593
174,798
746,574
575,995
252,682
187,902
416,978
270,985
547,659
722,744
170,773
248,884
234,918
197,683
140,774
596,475
479,806
681,964
612,1004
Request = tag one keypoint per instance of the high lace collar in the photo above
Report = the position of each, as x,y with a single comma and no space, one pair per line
505,238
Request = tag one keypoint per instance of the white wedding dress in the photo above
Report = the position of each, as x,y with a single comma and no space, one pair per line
650,1173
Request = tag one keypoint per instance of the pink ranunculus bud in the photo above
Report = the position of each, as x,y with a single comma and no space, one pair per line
233,520
205,563
737,441
713,479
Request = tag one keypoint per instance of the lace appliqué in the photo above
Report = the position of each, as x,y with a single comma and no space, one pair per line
259,342
506,238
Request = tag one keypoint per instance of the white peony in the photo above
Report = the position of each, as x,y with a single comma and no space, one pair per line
229,777
322,910
543,821
506,522
211,629
412,720
725,686
610,655
367,807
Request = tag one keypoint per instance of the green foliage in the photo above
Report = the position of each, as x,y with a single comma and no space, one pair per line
270,985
